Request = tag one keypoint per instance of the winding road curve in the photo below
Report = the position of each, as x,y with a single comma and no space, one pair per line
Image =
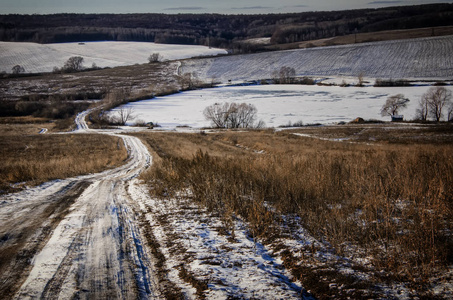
78,237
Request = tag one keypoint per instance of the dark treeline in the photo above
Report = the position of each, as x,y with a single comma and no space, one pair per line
225,31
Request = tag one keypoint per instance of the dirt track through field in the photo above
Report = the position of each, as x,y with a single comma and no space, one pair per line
78,237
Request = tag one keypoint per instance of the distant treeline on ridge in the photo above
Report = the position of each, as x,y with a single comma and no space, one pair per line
216,30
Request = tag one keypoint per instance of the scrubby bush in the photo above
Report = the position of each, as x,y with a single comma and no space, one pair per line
154,57
391,82
18,69
73,64
286,75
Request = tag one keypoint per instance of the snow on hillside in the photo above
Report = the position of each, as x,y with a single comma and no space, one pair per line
428,58
44,57
278,104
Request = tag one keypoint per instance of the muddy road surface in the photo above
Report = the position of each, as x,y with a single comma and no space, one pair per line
79,237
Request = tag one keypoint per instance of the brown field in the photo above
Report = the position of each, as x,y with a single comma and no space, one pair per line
384,191
140,81
30,158
19,126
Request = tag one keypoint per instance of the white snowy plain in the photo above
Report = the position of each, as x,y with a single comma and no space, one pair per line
278,105
44,57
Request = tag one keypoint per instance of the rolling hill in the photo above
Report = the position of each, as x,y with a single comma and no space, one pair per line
36,58
424,58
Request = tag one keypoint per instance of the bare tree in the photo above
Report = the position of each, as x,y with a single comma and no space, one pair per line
217,114
74,64
437,98
17,69
231,115
125,114
246,115
393,105
450,112
422,110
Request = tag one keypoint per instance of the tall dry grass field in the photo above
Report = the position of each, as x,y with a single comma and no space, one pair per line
389,193
33,159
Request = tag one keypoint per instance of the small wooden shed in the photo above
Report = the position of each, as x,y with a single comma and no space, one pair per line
397,118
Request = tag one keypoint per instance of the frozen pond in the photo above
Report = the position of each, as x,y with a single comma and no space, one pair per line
279,104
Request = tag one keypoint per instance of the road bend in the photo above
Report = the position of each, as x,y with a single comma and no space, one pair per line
79,237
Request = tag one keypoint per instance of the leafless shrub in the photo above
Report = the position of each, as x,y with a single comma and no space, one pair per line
140,123
188,81
391,82
286,75
306,80
154,57
361,79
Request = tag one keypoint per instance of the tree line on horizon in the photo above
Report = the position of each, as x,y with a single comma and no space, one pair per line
217,30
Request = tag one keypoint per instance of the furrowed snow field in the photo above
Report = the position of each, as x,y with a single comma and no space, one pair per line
37,58
428,58
278,105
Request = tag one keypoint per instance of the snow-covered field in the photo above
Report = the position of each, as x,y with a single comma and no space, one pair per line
278,104
44,57
428,58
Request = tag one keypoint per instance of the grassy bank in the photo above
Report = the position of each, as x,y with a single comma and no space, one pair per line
33,159
386,195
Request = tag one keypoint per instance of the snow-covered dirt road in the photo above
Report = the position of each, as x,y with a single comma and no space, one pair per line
102,236
80,235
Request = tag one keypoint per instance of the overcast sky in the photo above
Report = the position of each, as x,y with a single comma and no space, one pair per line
193,6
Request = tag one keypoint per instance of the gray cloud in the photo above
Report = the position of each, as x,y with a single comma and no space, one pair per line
385,2
252,7
185,8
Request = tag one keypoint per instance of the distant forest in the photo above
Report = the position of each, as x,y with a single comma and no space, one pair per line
216,30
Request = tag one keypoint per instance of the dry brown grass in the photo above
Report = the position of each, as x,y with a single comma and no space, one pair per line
140,80
18,126
34,159
392,196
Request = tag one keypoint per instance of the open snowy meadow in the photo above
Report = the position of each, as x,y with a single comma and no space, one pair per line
37,58
278,105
